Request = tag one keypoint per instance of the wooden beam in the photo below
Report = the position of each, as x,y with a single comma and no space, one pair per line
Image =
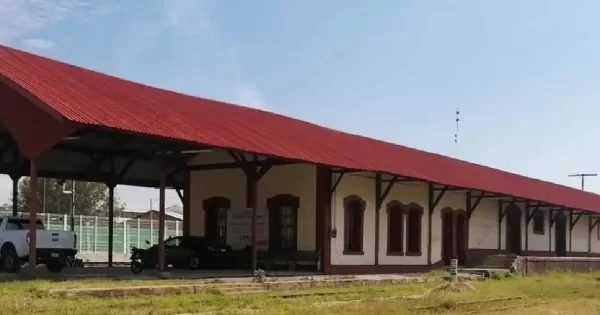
336,183
532,214
125,169
596,223
382,195
576,220
439,197
471,206
237,165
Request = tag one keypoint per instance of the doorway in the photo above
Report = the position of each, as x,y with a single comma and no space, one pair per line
454,236
462,240
560,240
513,229
447,236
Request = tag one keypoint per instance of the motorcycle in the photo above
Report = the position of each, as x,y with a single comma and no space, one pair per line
141,259
136,260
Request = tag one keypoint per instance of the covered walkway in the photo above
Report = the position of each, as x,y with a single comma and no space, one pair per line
62,121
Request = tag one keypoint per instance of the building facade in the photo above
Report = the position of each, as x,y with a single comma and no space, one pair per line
313,208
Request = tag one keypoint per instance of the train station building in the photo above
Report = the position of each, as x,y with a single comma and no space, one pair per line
296,194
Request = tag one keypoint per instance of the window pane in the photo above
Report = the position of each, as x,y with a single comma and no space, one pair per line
353,237
396,230
414,231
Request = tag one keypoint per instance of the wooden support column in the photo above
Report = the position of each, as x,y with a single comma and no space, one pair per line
500,218
254,171
430,196
471,205
251,196
570,229
589,234
111,223
186,204
111,183
15,195
433,201
323,216
380,196
526,226
592,223
378,204
551,224
161,219
33,210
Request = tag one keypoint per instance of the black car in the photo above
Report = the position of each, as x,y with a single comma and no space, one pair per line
191,252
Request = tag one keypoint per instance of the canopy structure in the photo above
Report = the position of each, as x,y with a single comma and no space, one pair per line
44,101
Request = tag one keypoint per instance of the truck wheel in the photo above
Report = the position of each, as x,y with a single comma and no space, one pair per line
10,260
54,266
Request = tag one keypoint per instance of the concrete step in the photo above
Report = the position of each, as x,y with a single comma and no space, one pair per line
245,292
483,272
240,289
502,262
490,267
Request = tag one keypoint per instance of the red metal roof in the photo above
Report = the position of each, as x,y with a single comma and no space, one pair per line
86,97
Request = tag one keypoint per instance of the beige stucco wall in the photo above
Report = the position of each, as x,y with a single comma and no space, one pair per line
539,242
483,226
298,180
580,235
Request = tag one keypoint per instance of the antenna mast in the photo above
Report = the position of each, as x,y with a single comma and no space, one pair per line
457,120
583,176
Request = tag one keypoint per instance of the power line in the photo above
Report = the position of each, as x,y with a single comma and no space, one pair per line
583,176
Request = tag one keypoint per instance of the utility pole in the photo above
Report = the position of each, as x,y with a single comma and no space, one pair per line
583,176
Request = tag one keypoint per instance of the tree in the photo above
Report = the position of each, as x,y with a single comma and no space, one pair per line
90,198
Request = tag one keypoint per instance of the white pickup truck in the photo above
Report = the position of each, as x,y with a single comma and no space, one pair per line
52,247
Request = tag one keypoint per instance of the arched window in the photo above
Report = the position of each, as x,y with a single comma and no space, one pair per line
216,218
414,214
283,222
354,213
395,213
539,222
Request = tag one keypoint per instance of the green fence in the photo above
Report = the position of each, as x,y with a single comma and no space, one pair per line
92,232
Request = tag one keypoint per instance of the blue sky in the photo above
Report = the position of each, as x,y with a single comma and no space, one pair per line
525,74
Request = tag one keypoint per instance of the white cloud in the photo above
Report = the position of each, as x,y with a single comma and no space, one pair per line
20,18
37,44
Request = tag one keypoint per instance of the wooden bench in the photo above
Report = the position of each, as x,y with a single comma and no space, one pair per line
290,258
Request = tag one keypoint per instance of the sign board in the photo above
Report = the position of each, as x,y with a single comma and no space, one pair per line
454,268
239,228
454,264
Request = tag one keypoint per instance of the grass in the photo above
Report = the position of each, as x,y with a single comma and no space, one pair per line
560,293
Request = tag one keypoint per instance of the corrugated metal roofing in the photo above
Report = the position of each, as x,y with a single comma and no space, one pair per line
87,97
